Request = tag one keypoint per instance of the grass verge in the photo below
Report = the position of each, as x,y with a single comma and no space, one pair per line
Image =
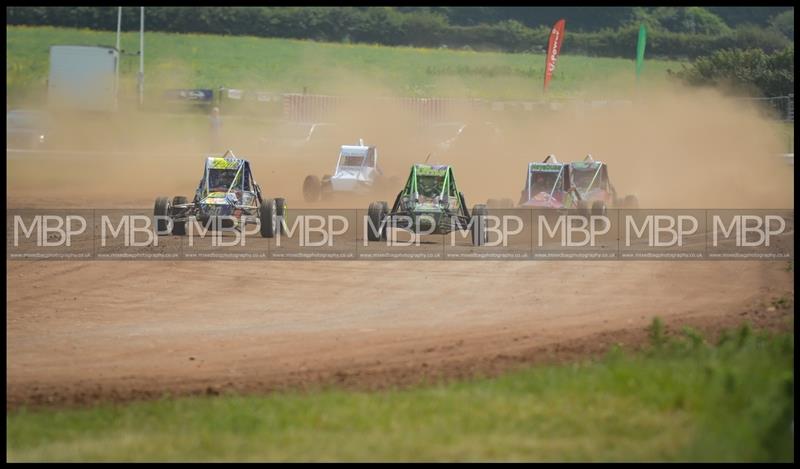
681,399
283,65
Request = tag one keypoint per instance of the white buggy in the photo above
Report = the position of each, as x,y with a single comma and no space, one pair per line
357,172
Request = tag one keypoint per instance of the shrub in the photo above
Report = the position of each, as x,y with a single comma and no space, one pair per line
748,71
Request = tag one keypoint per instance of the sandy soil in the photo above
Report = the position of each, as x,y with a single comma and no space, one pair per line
85,331
80,332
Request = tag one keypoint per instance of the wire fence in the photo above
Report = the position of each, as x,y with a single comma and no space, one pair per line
780,107
316,108
298,107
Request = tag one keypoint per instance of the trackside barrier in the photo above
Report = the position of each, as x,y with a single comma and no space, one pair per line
297,107
321,108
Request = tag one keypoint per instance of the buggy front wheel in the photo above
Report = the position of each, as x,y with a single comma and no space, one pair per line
179,227
161,211
268,216
479,225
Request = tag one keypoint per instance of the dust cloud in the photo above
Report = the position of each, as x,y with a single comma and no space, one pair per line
671,146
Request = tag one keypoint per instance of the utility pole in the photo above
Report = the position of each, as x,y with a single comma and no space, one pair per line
119,54
141,58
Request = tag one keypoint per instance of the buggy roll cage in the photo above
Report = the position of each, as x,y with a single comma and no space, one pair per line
600,168
589,159
239,179
364,159
412,189
551,158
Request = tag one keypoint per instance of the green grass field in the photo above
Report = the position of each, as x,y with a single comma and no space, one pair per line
680,400
278,65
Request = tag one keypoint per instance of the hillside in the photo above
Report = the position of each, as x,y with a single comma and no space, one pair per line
283,65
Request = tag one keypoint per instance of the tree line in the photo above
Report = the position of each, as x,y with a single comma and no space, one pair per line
674,32
743,72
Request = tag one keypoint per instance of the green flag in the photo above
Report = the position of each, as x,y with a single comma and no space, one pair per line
640,51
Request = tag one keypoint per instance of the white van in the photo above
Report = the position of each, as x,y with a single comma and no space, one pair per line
83,78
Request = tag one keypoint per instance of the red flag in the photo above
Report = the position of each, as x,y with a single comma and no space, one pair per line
553,48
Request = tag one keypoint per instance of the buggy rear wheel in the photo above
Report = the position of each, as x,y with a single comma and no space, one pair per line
479,213
267,214
599,208
377,213
326,190
281,210
311,189
583,208
161,210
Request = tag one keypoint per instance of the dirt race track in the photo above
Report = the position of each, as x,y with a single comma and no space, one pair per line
85,331
80,332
